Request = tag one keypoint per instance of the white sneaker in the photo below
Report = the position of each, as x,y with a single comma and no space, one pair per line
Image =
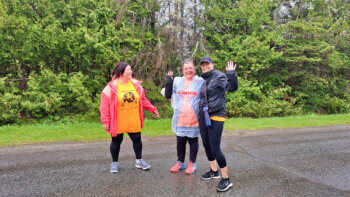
140,163
114,167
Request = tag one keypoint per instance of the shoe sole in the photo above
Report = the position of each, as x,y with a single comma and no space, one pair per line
139,167
192,171
228,187
178,170
175,171
113,171
214,177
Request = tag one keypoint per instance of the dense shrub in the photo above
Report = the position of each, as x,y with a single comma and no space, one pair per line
153,93
56,56
50,94
249,100
10,100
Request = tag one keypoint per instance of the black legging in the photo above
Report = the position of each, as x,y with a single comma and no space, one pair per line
211,138
136,141
181,148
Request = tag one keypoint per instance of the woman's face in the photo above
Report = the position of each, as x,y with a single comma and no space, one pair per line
128,72
206,66
188,70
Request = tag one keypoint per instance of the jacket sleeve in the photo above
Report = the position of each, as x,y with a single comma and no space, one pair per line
146,104
105,115
169,87
216,95
232,81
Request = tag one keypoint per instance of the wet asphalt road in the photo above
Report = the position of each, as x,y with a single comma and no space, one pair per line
300,162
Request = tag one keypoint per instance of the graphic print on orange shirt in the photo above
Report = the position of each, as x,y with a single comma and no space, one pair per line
187,116
128,114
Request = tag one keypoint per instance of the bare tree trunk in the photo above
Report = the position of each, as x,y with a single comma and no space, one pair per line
195,35
195,17
300,9
153,15
182,31
176,15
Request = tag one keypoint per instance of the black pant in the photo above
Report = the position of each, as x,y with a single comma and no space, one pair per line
181,148
211,138
136,141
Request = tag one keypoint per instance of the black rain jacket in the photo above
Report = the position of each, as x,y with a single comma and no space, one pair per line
213,91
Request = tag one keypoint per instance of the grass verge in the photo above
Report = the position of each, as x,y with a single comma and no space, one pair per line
91,131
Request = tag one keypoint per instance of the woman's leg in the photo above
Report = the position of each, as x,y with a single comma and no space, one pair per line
205,139
115,146
215,134
181,148
193,148
181,151
137,144
224,173
213,166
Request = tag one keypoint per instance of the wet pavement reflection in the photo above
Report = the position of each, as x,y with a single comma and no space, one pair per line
296,162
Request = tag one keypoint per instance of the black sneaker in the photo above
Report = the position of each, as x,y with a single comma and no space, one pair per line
224,185
210,175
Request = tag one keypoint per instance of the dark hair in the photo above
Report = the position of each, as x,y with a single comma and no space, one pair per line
119,69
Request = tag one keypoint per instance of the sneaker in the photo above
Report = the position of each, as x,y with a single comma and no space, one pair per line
191,168
224,185
210,175
114,167
177,167
140,163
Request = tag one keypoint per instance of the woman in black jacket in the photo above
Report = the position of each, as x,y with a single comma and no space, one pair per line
213,96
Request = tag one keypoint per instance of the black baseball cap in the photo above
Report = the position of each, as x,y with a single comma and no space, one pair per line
206,59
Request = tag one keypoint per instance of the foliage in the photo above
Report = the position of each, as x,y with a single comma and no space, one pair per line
303,59
250,100
10,99
56,56
49,94
67,50
315,67
153,93
246,36
71,36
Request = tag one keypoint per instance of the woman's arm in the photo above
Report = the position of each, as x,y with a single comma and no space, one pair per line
169,85
105,108
232,81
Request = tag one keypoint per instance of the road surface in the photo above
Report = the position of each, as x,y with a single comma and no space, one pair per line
294,162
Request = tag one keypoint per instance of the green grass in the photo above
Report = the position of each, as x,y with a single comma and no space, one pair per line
235,124
91,131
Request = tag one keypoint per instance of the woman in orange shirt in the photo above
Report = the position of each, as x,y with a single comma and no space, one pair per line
121,108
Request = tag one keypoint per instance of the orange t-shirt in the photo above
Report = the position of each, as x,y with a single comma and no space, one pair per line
187,116
128,112
218,118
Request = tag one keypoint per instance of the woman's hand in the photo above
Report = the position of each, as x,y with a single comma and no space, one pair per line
156,113
231,66
106,127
